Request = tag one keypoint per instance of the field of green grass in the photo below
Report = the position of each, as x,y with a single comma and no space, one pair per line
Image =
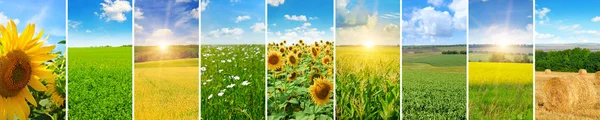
368,82
434,85
500,90
100,83
166,89
233,82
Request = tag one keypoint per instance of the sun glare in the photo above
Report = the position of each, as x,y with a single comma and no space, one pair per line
368,44
164,47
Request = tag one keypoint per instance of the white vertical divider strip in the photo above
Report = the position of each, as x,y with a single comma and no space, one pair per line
133,61
66,54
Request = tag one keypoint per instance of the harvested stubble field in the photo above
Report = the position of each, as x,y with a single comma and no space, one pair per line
543,112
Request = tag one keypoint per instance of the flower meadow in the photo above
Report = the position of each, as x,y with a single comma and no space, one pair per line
232,82
300,80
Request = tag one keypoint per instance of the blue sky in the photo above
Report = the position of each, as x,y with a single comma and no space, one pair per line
162,22
560,22
292,20
360,22
233,22
434,22
500,22
49,15
99,22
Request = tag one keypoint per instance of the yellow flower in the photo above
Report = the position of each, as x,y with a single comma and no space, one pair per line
314,52
292,76
321,90
21,65
326,60
292,59
274,60
314,76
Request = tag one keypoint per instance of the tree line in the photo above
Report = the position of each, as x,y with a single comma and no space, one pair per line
569,60
154,53
464,52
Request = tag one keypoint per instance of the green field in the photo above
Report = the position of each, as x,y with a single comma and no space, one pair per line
100,83
232,65
368,82
168,90
500,90
434,84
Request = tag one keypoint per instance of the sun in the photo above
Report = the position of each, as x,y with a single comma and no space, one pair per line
164,46
368,44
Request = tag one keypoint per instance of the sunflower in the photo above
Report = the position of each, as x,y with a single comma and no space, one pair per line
314,52
321,90
299,54
292,59
282,49
292,76
274,60
301,41
326,60
314,76
21,65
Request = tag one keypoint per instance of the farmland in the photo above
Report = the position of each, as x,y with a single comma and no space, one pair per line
434,84
300,80
100,83
166,89
500,90
368,82
541,78
233,82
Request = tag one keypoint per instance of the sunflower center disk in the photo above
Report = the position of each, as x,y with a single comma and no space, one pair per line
323,91
16,73
273,59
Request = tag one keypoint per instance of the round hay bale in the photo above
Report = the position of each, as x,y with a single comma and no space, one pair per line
568,93
582,72
547,71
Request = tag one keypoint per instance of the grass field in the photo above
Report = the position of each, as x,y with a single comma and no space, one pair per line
167,90
368,82
100,83
500,90
434,85
233,82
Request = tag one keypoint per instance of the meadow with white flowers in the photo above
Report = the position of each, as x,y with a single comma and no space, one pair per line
232,82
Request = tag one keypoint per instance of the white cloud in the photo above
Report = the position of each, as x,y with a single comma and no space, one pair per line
233,32
543,36
436,3
88,31
332,29
591,32
72,23
242,18
313,18
275,2
306,25
596,19
484,0
203,5
160,36
138,28
295,18
572,27
194,13
258,27
429,22
391,16
138,14
460,13
542,12
115,10
500,34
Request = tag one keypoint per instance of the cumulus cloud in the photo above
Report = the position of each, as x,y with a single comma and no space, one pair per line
275,2
88,31
542,15
258,27
242,18
194,13
590,32
203,5
160,36
596,19
114,10
4,19
226,32
73,24
182,1
295,18
138,28
543,36
429,22
572,27
459,20
138,14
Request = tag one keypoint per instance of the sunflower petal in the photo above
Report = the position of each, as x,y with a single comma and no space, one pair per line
17,105
2,108
35,83
10,110
43,73
27,94
23,105
26,36
44,57
40,50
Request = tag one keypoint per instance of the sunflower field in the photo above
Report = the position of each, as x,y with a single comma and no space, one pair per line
232,82
32,75
300,80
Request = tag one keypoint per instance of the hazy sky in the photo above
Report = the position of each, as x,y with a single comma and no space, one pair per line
168,22
500,22
368,22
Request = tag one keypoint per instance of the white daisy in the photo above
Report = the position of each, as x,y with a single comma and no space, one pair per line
245,83
210,96
220,94
230,86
